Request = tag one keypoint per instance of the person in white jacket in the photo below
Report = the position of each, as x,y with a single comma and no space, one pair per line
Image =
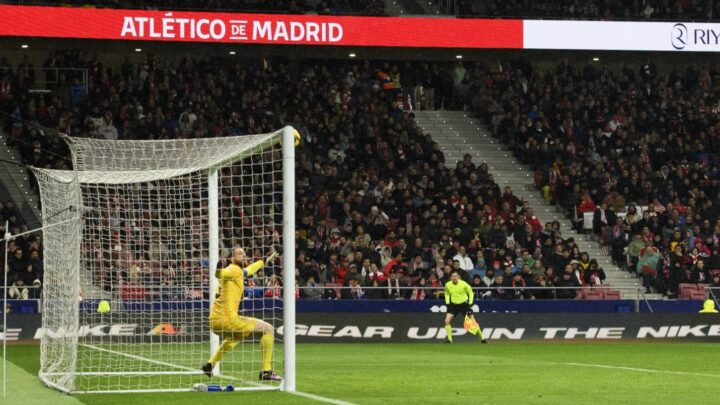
465,260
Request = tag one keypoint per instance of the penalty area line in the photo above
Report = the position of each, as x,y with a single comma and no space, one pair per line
319,398
644,370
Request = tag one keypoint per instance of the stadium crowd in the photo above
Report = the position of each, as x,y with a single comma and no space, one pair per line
354,7
701,10
697,10
376,205
25,264
632,150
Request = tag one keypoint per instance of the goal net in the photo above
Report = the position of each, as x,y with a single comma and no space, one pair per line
132,239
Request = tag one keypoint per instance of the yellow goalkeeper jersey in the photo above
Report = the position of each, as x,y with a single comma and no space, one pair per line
229,292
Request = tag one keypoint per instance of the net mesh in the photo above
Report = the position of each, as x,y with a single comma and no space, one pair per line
141,243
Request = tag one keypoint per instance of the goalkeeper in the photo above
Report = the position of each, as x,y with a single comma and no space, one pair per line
459,300
224,318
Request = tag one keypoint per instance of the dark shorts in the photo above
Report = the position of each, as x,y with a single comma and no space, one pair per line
459,309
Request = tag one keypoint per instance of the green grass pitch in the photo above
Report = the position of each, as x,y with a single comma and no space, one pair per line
498,373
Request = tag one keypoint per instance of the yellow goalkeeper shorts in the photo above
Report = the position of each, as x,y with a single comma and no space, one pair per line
234,328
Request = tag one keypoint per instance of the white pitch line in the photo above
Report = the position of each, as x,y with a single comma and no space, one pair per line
162,363
645,370
319,398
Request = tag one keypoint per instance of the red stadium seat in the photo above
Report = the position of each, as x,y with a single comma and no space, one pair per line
593,295
698,295
686,288
702,287
612,295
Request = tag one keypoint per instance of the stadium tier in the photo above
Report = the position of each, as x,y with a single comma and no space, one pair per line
700,10
377,206
359,7
607,10
629,153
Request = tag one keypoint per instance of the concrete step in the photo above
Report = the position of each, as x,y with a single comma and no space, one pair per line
457,134
16,181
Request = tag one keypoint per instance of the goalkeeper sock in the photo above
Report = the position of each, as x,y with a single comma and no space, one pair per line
448,329
225,347
266,346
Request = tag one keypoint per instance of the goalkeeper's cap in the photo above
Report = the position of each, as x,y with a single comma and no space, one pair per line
103,307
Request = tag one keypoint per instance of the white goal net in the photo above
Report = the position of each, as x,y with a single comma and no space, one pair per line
133,236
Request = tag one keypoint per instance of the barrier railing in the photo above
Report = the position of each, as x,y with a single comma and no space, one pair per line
45,79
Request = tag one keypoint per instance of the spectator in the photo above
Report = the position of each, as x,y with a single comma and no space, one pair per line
543,293
569,284
18,290
648,265
18,265
497,290
714,287
273,287
312,290
464,261
353,291
633,251
106,129
419,292
594,275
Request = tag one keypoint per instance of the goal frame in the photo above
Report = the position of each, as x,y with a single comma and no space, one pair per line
288,262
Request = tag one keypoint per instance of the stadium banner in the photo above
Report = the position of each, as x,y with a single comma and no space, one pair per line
419,32
240,28
260,303
389,327
621,36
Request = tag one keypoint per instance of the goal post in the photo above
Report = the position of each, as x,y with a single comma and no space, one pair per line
130,281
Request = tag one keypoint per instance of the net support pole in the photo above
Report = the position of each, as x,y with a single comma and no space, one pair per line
289,257
213,250
5,293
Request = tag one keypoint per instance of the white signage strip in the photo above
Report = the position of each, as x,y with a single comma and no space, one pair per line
621,36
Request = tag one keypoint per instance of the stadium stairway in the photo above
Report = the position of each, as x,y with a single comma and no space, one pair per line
457,133
15,180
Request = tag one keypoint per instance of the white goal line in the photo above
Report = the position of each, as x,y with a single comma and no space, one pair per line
189,370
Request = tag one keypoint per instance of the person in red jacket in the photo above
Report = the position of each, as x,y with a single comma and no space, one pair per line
586,204
341,271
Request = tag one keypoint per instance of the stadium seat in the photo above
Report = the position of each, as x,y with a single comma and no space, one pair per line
612,295
702,287
685,289
697,295
593,295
